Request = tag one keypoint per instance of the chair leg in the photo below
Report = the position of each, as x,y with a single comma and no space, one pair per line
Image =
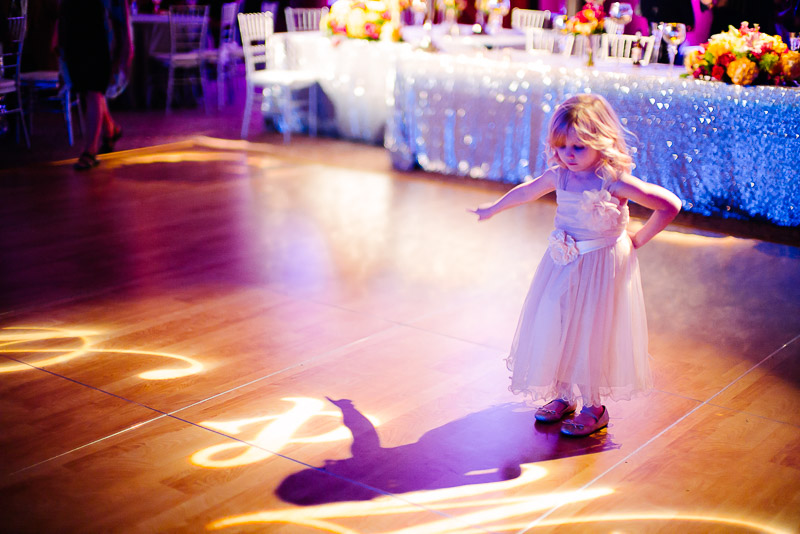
203,92
170,87
31,102
220,84
312,110
68,115
287,107
21,123
248,105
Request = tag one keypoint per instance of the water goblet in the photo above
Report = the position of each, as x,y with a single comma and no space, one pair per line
559,22
621,13
674,34
419,8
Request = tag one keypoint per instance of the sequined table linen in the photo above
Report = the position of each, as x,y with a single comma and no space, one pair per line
723,149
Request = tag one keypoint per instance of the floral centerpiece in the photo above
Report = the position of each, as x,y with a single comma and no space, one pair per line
588,20
745,56
586,23
370,19
493,11
449,10
453,6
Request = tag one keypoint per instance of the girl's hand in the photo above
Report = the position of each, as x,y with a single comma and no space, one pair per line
484,211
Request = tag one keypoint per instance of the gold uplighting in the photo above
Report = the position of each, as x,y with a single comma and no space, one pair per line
483,510
498,506
59,346
279,432
711,520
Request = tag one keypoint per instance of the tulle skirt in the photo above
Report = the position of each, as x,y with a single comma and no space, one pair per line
582,334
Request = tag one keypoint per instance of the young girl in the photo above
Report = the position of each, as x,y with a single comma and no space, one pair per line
583,323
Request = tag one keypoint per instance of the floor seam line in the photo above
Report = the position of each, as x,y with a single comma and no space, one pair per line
285,369
156,410
669,427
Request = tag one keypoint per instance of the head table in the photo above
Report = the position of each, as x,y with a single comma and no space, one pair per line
724,150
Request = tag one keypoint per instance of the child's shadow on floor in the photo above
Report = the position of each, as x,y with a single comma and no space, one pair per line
486,446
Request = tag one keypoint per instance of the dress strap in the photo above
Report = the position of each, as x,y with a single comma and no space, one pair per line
561,178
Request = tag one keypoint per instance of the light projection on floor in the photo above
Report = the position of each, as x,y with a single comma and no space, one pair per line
279,431
481,505
53,346
419,488
198,149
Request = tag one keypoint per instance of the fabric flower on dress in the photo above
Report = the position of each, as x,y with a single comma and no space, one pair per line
562,247
602,208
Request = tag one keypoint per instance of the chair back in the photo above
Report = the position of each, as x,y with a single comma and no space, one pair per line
227,23
620,47
528,18
188,29
611,27
11,55
304,19
256,30
271,7
553,41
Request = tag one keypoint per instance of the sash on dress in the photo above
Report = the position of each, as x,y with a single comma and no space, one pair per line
564,249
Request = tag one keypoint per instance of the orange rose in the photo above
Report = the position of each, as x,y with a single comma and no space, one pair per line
790,65
742,71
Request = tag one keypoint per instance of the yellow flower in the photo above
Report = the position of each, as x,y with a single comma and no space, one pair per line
775,43
390,32
356,20
717,48
790,64
693,60
589,14
742,71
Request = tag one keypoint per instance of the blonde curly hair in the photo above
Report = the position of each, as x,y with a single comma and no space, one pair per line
597,126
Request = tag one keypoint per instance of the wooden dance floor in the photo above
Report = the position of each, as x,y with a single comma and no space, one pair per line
220,336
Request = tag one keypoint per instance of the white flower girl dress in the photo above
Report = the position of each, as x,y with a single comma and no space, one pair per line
583,331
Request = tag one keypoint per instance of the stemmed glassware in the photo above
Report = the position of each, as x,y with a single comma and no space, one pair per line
559,21
674,34
621,13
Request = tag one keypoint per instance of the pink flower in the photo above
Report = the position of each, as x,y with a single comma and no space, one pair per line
371,30
562,247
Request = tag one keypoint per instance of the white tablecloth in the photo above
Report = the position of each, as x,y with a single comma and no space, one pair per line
357,78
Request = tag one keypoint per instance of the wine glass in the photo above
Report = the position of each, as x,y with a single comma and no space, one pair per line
419,8
559,22
621,13
674,34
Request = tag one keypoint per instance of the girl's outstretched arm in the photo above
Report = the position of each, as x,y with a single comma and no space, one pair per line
664,203
522,193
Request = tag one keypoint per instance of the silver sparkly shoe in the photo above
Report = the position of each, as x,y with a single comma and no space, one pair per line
571,428
553,414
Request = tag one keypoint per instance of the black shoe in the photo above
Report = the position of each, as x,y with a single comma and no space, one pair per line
86,161
109,142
